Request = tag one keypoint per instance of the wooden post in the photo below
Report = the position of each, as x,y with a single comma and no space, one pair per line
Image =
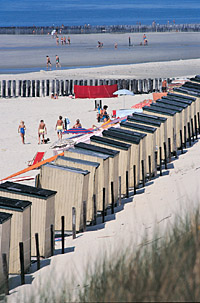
84,215
52,240
85,83
169,149
47,88
195,126
96,82
140,86
94,210
21,255
143,176
37,88
53,86
62,87
91,82
192,127
5,273
160,161
134,178
149,160
37,250
189,135
156,85
160,85
14,88
24,88
198,117
127,185
57,87
120,190
145,86
165,152
112,198
63,233
28,88
104,204
156,160
33,88
71,87
43,88
67,87
73,223
181,139
3,88
9,88
185,137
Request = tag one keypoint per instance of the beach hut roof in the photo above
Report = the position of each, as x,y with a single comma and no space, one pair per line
152,117
110,152
121,136
110,142
89,163
181,97
140,127
161,110
188,91
14,204
67,168
179,102
129,132
27,190
161,104
88,152
4,217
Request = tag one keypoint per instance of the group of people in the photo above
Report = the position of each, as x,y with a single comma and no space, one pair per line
63,40
102,115
49,65
42,129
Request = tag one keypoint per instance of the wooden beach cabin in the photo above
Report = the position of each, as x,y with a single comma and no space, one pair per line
143,144
71,185
42,212
103,177
113,166
150,141
153,121
124,155
93,168
135,152
180,122
20,231
191,101
5,232
171,121
195,87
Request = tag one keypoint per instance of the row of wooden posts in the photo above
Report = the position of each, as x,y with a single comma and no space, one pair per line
92,178
42,88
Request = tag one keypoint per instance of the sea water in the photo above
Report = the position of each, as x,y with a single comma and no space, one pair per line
97,12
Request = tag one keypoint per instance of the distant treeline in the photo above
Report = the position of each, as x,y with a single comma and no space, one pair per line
88,29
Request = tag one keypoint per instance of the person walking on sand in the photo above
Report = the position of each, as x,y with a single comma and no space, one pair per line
42,130
57,62
48,62
21,130
59,127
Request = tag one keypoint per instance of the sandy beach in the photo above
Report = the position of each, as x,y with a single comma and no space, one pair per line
160,201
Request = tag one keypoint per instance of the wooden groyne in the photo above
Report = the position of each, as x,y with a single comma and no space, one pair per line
88,29
43,88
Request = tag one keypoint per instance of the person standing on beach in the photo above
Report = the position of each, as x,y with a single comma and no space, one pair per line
59,127
48,62
57,62
21,130
69,40
42,130
57,40
129,41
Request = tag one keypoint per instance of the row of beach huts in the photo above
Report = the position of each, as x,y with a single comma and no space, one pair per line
90,178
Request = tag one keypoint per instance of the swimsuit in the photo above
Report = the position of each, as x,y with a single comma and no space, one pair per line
59,129
41,131
22,131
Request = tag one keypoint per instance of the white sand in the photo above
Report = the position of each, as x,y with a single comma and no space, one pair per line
161,199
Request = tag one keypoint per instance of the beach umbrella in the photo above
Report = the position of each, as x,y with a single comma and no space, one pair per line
123,92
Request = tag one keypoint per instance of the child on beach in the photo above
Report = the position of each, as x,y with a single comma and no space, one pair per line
57,62
48,62
21,130
60,127
42,130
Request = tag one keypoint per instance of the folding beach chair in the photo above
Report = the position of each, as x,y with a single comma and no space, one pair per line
37,158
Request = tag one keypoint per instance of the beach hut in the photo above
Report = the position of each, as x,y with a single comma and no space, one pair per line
185,105
71,185
150,141
135,152
93,168
153,121
113,166
188,92
143,147
191,101
103,176
181,116
171,121
5,231
124,155
42,212
20,231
